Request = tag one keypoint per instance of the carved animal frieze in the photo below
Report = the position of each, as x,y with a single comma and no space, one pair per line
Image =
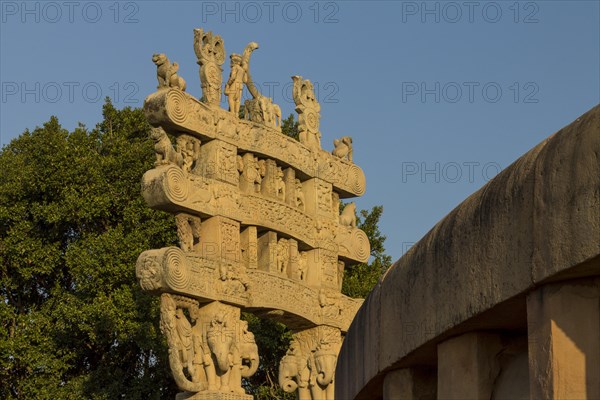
169,189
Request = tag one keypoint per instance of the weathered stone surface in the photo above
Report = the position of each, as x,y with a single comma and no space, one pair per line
539,219
467,366
564,340
410,384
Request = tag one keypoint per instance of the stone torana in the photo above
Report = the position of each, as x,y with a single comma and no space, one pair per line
259,225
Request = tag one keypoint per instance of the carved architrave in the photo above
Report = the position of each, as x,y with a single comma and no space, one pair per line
170,270
180,112
168,189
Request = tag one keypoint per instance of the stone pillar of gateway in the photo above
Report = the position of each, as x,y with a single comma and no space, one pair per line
501,299
259,226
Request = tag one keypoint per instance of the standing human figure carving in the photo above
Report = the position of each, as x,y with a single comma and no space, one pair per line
235,84
184,331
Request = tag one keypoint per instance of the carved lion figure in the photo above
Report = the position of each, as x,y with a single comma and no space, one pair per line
166,73
343,147
165,153
348,216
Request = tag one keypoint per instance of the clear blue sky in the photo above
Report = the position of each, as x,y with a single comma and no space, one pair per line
438,96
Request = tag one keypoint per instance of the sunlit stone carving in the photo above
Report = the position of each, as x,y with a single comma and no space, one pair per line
166,73
259,228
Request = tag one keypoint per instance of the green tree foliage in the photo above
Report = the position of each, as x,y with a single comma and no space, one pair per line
73,321
273,340
289,126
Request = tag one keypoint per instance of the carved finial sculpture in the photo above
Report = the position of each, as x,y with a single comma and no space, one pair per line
343,148
250,47
235,84
308,109
259,109
211,56
166,73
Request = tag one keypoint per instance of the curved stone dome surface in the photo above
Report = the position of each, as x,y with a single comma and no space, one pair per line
537,220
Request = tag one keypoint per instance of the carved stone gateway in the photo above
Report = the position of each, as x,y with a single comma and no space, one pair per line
259,228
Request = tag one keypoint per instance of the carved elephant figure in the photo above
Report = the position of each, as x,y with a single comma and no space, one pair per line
220,342
325,366
168,325
250,360
294,375
323,372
